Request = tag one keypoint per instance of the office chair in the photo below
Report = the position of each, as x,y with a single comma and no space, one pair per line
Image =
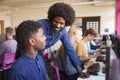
115,72
7,60
57,75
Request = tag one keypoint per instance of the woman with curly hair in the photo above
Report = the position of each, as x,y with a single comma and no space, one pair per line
60,15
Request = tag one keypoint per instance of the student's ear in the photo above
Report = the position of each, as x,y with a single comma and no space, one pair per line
31,41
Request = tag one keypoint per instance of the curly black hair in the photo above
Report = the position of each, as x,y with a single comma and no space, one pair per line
25,30
63,10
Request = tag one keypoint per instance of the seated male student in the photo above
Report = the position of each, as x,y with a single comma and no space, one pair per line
81,48
30,65
10,44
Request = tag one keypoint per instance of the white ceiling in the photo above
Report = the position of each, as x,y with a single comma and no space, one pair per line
21,4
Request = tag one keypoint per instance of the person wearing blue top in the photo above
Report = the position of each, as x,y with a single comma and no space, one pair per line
60,15
30,65
92,48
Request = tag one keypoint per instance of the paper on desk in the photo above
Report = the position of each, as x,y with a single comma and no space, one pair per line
93,78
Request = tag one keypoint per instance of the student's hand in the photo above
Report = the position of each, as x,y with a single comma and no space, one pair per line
101,51
84,75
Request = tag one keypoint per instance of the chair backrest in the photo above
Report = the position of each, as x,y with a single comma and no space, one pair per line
57,75
7,61
115,72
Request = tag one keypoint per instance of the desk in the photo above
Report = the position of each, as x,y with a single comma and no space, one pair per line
100,76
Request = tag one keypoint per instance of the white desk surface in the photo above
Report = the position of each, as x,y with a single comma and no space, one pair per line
99,77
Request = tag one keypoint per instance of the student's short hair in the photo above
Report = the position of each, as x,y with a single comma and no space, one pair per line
25,31
63,10
90,31
9,30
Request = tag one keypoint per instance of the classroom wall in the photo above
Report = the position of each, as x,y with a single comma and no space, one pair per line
107,14
6,16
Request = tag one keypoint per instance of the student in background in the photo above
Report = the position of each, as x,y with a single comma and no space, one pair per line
94,48
10,44
30,65
81,48
63,62
60,15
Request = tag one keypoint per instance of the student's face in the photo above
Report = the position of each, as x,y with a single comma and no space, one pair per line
78,36
58,24
39,40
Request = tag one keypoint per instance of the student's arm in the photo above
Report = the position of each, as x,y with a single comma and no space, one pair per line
81,51
84,58
89,48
